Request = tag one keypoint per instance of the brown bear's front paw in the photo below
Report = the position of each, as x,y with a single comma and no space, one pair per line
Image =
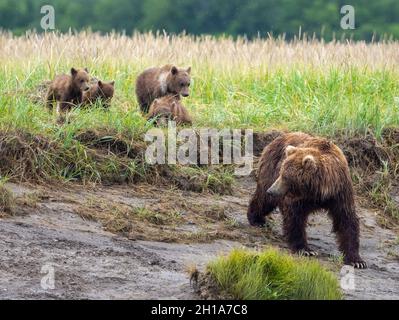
256,221
307,253
358,264
259,224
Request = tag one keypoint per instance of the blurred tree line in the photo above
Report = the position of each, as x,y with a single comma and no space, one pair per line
217,17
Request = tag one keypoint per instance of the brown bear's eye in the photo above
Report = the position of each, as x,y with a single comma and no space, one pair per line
81,81
182,84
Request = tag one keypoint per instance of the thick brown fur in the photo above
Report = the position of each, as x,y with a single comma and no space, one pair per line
169,108
300,174
99,91
155,83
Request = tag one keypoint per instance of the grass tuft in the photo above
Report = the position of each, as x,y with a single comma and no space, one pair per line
272,275
7,200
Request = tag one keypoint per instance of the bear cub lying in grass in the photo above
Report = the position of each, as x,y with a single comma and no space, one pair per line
99,91
300,174
169,108
155,83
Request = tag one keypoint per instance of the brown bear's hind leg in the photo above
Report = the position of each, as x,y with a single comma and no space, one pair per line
346,226
295,217
63,107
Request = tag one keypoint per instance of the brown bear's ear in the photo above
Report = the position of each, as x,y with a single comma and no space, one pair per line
74,71
87,70
290,150
325,145
100,83
309,161
174,70
188,70
112,83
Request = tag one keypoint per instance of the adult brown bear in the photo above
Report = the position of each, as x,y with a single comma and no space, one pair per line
300,174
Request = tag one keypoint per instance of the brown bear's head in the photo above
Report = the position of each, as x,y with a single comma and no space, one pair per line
179,81
162,111
105,91
298,173
80,79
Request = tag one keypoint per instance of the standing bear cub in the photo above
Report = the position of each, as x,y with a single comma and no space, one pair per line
155,83
67,90
300,174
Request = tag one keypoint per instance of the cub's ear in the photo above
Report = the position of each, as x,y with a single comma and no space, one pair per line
100,83
174,70
188,70
155,102
74,71
309,161
112,83
290,150
87,70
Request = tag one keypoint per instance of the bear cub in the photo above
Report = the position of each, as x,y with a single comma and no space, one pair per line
67,90
99,91
155,83
169,108
301,174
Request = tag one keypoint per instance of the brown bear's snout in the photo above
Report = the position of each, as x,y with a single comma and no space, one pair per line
276,189
185,94
86,87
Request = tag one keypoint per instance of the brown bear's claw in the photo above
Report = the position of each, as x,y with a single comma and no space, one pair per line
359,265
307,253
257,223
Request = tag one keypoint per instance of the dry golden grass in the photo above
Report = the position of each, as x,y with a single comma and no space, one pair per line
202,52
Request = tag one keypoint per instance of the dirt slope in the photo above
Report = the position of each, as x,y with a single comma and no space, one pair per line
93,263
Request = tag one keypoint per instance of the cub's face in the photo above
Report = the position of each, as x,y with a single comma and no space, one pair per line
162,110
81,79
106,90
180,81
298,173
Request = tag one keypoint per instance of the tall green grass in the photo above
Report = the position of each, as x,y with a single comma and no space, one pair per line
350,100
273,275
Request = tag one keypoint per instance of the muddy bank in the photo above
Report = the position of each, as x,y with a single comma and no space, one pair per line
91,262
